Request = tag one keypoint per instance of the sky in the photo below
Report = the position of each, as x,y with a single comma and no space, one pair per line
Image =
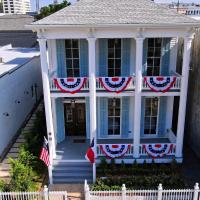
46,2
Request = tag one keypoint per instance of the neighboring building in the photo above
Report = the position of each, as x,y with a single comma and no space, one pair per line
13,31
20,88
16,6
1,6
122,40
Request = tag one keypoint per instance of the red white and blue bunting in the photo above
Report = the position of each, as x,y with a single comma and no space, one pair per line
114,150
115,84
160,83
157,150
70,85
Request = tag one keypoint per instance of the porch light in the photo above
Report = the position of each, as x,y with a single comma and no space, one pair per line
72,103
114,102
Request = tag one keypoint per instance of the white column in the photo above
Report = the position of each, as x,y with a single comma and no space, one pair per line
47,102
92,88
183,96
138,90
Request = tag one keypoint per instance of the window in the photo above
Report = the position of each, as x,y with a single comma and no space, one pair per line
114,57
69,116
113,117
72,58
151,115
154,56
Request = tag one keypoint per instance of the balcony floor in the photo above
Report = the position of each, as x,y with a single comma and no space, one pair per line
70,149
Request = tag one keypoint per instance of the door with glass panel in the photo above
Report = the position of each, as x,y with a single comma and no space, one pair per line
151,116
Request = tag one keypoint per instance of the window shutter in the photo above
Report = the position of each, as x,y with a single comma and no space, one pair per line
60,120
142,116
125,117
126,49
84,58
103,57
87,117
162,115
103,117
145,49
165,60
60,49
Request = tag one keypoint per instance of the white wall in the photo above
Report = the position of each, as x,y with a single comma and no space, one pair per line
13,87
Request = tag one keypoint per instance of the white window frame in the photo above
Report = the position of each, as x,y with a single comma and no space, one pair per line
158,117
120,116
72,68
153,67
114,56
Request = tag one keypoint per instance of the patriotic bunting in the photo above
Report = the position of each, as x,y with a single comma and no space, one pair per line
114,150
70,85
115,84
160,83
157,150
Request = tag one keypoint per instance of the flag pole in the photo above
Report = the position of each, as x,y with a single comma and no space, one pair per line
94,172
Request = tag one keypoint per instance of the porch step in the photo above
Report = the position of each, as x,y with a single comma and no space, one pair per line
71,172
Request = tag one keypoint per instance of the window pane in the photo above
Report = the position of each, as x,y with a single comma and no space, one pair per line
156,62
149,71
110,53
111,43
75,53
150,52
150,62
75,43
76,73
76,63
117,53
69,73
157,52
117,130
69,63
68,44
110,72
117,63
116,121
111,63
68,53
117,112
156,71
117,43
117,72
151,42
158,42
110,111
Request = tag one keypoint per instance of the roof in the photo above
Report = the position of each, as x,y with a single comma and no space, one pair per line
115,12
13,58
15,22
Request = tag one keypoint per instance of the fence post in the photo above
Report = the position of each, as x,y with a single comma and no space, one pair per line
123,192
87,191
196,191
160,190
46,195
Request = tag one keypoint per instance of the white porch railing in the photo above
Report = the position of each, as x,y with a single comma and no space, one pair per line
130,86
128,153
144,153
176,85
159,194
45,195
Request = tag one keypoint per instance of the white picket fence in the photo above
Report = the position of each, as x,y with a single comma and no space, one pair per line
44,195
159,194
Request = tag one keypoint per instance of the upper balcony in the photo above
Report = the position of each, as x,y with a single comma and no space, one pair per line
161,84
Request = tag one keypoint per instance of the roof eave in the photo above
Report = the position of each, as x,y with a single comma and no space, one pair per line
163,25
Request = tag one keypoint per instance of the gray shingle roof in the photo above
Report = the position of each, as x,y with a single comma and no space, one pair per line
15,22
115,12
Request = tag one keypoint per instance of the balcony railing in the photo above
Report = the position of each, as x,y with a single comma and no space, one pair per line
175,86
130,87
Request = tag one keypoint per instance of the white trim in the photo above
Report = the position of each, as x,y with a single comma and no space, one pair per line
76,101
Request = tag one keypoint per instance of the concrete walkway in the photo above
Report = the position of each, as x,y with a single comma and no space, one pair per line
14,150
74,191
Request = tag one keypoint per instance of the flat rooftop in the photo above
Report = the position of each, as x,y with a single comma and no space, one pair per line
14,58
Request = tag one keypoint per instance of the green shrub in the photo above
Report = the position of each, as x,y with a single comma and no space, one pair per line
22,176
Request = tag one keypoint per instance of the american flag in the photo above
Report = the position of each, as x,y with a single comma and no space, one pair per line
44,155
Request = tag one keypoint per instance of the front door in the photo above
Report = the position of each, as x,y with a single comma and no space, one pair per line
75,119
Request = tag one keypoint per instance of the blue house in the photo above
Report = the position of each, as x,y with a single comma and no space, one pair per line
110,75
